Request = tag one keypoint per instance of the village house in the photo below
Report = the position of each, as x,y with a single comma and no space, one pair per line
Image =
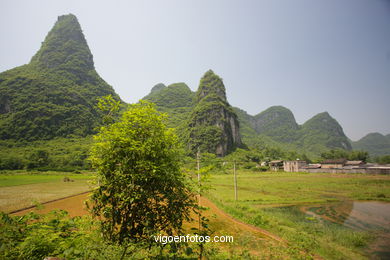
354,164
294,166
333,163
275,165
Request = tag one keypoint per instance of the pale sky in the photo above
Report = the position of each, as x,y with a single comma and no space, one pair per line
307,55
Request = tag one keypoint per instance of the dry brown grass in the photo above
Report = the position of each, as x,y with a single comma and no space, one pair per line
22,196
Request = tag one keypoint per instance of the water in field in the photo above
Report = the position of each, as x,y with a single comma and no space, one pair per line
370,216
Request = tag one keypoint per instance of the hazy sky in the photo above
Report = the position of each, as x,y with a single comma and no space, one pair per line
309,56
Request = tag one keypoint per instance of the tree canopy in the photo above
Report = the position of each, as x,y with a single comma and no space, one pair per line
141,189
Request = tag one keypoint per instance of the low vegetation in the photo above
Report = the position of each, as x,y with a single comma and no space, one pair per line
60,154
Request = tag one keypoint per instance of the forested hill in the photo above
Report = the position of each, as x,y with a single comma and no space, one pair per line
176,100
204,119
213,124
374,143
55,94
276,126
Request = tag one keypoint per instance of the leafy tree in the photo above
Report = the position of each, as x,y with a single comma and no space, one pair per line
110,107
38,158
141,188
358,155
383,159
350,155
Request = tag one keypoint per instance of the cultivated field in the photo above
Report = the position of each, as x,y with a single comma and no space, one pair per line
21,190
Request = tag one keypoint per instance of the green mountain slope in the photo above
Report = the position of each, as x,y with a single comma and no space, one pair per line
196,121
322,132
375,144
213,125
55,94
276,127
177,100
278,123
204,119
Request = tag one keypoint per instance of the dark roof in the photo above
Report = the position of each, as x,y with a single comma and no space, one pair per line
334,161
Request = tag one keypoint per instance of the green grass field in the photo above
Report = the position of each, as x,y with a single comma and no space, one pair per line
265,200
11,178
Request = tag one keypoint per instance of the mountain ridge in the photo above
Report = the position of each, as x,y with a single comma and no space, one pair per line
375,143
274,126
55,94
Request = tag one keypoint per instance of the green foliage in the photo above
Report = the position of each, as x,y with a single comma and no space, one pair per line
205,138
38,158
383,159
11,163
274,130
177,95
56,234
343,154
324,130
176,100
276,127
213,125
141,188
60,154
241,155
65,49
36,236
278,123
110,107
211,84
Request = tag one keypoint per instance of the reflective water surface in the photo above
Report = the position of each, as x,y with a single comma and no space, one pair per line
371,216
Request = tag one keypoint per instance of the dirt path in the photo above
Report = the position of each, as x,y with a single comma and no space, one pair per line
247,227
73,204
242,226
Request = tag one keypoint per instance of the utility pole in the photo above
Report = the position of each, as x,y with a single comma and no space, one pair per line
235,181
198,168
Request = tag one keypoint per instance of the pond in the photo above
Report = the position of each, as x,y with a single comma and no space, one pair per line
370,216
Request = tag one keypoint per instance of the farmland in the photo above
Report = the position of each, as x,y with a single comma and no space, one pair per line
281,203
277,215
20,189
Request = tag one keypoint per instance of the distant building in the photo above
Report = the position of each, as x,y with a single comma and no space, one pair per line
275,165
312,166
354,164
333,163
293,166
